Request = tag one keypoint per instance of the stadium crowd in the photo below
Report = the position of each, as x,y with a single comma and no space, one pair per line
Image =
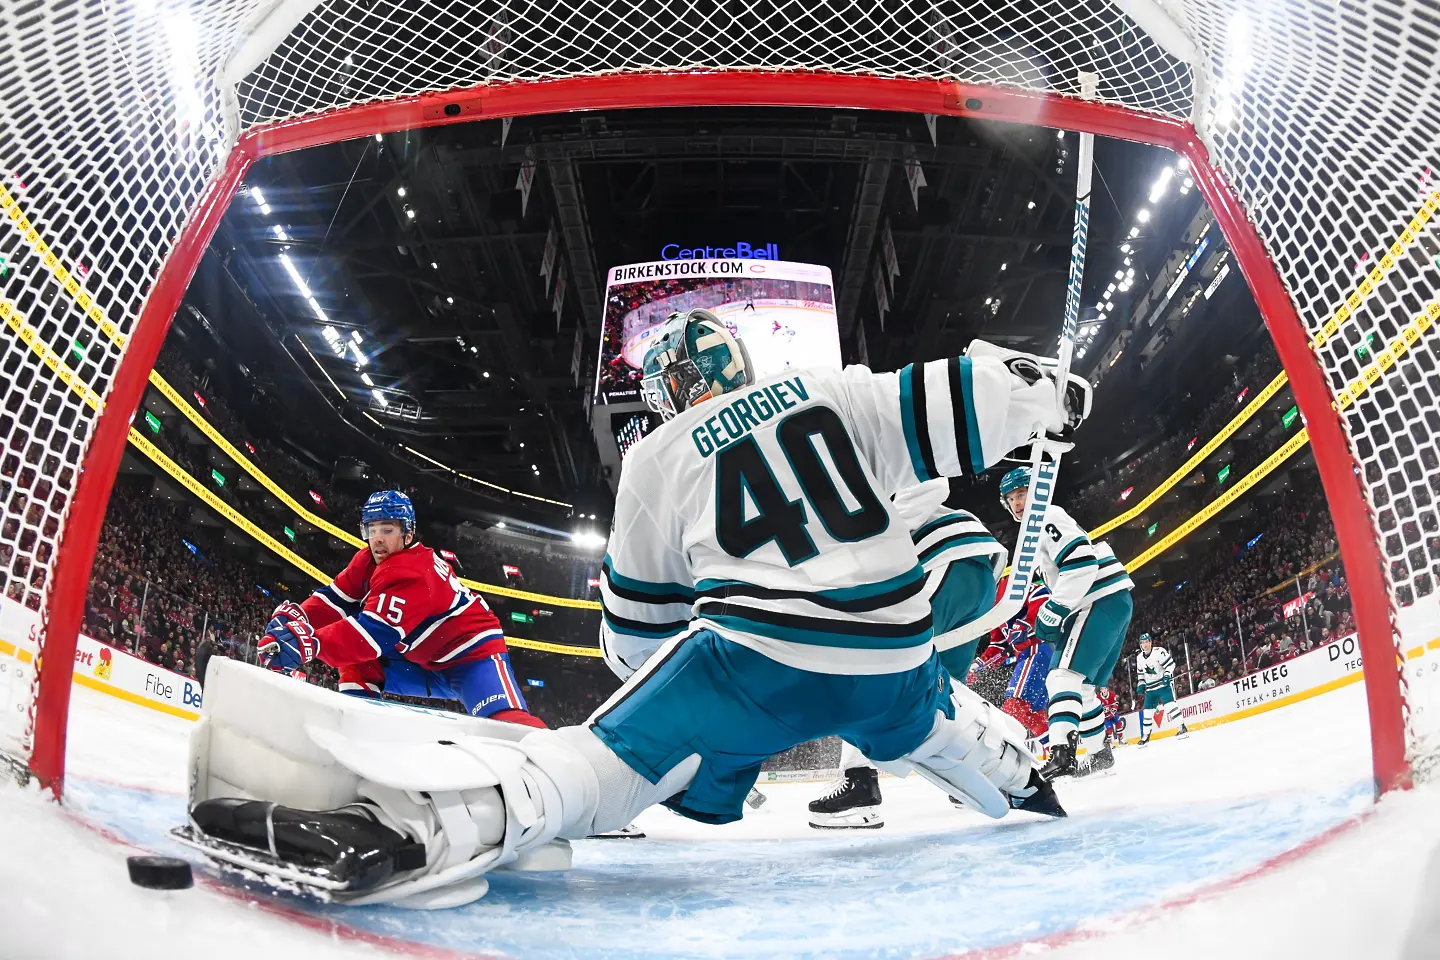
1232,614
159,584
302,482
1101,500
535,565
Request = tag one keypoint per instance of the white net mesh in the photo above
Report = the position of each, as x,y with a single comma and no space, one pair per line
1323,117
1038,46
1326,121
111,136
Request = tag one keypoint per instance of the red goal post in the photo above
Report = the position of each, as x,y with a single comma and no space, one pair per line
112,200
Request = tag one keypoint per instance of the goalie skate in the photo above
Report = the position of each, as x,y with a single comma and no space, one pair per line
627,832
857,818
254,868
317,853
1099,763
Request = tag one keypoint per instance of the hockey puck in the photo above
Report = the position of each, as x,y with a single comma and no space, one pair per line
160,873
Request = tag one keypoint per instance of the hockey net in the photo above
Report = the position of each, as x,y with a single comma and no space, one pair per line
1311,128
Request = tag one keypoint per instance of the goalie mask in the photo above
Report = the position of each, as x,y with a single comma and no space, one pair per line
693,359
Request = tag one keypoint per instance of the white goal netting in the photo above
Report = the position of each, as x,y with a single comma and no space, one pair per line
1323,118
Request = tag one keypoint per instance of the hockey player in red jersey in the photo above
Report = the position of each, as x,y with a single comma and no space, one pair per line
1111,703
397,619
1025,697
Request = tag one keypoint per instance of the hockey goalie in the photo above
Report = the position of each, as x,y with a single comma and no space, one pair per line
787,595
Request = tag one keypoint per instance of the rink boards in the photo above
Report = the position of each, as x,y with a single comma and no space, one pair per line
98,666
118,674
1337,664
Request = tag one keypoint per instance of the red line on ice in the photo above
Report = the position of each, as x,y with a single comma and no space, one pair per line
1155,911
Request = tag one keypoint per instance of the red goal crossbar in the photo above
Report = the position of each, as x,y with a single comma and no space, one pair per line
1334,456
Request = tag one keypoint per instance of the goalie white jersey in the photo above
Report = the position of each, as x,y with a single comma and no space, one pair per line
765,514
944,534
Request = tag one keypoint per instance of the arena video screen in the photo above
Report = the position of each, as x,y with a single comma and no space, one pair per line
784,311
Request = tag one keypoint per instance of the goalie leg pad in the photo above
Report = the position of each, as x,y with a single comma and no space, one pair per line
979,757
529,797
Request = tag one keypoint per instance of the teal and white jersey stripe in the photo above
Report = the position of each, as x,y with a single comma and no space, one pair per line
954,535
858,629
943,534
637,616
771,506
1077,571
1111,577
957,415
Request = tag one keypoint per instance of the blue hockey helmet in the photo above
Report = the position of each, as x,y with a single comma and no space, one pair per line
387,505
1017,479
1146,638
694,358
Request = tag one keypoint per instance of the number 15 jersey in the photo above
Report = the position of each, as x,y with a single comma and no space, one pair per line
765,514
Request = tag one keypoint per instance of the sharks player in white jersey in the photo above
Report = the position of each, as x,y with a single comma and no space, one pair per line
754,535
1085,618
961,560
1155,683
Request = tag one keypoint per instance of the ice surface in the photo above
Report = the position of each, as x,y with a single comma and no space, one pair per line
1148,863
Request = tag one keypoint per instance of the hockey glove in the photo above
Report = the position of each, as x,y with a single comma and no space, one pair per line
1048,622
288,611
1019,638
288,644
1032,369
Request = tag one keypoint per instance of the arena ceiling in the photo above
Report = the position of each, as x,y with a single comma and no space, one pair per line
422,254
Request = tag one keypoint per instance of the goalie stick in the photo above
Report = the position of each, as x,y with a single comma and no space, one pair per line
1043,471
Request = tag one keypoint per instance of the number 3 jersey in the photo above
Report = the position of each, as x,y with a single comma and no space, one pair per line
765,514
412,605
1077,570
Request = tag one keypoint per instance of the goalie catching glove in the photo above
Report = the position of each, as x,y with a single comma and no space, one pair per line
1035,369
